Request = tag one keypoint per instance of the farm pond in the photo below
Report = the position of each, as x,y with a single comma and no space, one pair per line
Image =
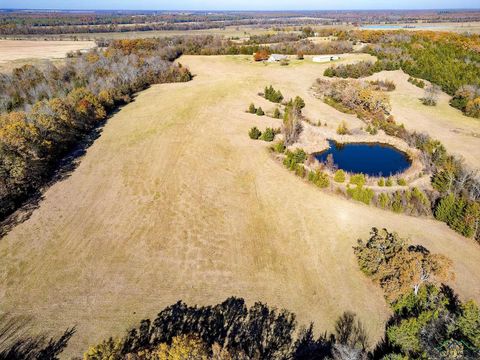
372,159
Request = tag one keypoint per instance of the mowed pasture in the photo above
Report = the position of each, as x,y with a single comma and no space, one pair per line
459,133
174,201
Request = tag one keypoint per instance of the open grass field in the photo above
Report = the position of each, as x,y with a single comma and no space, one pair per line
460,27
459,133
15,53
174,201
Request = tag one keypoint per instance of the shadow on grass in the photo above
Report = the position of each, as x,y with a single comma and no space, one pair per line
17,341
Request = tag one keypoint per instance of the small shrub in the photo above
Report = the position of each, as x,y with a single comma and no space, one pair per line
428,101
339,176
389,182
293,158
417,82
260,112
300,55
277,114
252,109
300,170
372,130
358,179
381,182
401,182
268,135
384,85
342,129
360,193
284,62
383,200
273,95
397,202
254,133
319,178
279,147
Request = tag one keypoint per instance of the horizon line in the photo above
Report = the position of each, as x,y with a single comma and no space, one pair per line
247,10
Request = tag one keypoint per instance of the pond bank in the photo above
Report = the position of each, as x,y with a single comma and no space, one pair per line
314,139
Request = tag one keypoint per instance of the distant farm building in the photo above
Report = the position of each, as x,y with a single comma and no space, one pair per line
325,58
277,58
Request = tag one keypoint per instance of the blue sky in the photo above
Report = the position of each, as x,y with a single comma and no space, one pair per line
238,4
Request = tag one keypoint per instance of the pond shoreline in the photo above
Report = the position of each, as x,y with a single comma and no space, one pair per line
314,140
374,159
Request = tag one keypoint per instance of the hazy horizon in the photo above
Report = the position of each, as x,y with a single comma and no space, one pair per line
235,5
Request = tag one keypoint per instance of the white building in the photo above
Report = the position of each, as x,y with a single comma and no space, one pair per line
325,58
277,58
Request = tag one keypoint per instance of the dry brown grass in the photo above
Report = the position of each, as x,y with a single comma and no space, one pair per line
14,53
459,133
174,201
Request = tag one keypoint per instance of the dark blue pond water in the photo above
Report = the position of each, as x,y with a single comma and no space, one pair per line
371,159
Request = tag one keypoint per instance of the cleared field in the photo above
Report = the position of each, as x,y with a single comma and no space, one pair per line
11,50
459,133
174,201
18,52
460,27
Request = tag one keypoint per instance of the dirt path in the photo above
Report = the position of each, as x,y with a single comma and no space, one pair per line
174,201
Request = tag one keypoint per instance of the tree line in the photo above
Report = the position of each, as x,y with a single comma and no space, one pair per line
231,330
218,45
446,59
45,112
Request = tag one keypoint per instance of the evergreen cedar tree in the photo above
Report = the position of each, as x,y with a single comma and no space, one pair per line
254,133
273,95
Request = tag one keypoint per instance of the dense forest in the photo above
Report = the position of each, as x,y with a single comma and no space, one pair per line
46,112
